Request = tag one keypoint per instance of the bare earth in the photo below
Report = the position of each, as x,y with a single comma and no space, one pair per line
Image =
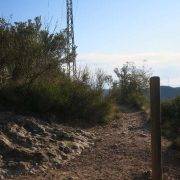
121,151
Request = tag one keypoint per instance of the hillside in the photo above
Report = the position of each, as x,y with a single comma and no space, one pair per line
121,151
29,145
168,92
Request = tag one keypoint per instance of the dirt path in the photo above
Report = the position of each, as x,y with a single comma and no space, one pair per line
121,151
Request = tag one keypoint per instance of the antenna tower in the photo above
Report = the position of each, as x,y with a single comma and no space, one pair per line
70,46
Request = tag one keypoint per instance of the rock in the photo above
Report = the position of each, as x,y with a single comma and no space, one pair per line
65,149
142,135
24,165
2,177
32,126
69,178
85,134
18,167
99,139
115,125
19,135
146,175
57,161
61,135
27,144
124,132
40,157
51,154
114,147
75,146
64,156
5,144
32,172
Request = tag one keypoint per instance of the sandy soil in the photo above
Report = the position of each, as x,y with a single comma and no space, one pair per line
121,151
29,145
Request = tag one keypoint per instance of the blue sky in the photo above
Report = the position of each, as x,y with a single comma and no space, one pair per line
110,32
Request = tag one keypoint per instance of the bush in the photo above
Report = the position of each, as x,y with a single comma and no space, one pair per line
131,87
32,78
68,100
28,51
170,110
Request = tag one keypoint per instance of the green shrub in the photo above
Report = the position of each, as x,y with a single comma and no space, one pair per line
131,87
32,78
68,100
28,51
170,110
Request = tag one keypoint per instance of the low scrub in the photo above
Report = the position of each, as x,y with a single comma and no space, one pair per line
33,79
170,110
68,100
131,87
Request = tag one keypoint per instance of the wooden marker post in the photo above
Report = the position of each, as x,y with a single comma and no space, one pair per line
156,128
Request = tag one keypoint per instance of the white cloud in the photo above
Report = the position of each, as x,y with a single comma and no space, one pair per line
136,57
164,64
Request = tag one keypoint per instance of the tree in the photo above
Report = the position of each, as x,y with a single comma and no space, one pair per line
132,85
29,51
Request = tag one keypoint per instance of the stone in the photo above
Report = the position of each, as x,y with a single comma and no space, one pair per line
65,149
142,135
30,144
2,177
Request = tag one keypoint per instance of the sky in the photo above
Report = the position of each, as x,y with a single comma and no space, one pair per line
109,33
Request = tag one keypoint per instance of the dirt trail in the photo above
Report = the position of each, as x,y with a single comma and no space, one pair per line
121,151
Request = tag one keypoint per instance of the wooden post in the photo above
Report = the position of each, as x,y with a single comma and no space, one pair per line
156,128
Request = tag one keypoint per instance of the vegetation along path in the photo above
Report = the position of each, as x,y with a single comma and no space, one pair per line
121,151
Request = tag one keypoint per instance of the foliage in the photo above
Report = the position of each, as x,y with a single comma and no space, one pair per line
28,51
132,86
33,80
170,110
67,99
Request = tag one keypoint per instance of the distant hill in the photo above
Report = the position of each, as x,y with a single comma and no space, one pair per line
168,92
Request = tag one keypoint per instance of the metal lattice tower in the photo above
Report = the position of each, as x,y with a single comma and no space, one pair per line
71,48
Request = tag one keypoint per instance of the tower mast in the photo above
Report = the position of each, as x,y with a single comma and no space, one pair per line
71,48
